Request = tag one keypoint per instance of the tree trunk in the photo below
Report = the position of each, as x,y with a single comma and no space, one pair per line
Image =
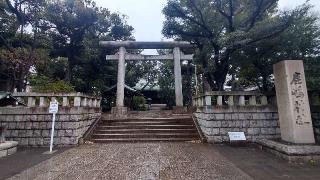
68,77
264,83
222,70
68,73
20,85
206,85
19,82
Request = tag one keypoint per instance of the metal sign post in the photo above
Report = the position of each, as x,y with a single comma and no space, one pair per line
53,109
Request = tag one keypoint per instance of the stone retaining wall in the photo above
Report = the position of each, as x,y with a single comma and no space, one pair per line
255,121
31,126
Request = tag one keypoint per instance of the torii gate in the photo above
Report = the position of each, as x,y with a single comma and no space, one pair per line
121,56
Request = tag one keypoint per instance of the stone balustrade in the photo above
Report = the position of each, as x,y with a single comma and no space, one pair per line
64,99
234,98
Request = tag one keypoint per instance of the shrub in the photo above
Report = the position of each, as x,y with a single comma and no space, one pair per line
43,84
138,103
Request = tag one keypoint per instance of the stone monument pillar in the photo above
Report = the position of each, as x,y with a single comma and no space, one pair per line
120,109
293,103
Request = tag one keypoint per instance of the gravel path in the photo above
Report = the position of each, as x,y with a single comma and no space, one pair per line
137,161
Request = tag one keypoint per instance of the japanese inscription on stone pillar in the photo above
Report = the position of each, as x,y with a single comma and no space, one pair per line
298,99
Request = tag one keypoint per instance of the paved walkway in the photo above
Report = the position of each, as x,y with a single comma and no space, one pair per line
23,159
265,166
163,161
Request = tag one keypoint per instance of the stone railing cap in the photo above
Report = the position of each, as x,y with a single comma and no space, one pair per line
33,94
236,93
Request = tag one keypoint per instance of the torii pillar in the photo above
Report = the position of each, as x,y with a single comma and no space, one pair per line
120,109
178,81
121,76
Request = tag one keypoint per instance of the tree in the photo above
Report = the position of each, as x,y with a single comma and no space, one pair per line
77,26
253,65
60,43
70,21
219,28
19,49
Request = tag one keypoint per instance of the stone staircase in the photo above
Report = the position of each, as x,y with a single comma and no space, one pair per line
155,107
146,126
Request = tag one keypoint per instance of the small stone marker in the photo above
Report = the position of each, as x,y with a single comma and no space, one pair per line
237,136
293,102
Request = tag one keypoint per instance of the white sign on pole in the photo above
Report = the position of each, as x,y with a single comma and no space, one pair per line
54,106
53,109
237,136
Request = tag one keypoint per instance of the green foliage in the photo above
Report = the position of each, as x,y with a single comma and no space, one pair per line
166,82
312,73
43,84
252,66
78,25
138,103
146,70
60,50
222,28
54,68
19,49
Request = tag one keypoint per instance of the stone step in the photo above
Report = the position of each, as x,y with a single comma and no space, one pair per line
145,135
133,123
158,105
143,126
148,126
113,140
117,131
150,118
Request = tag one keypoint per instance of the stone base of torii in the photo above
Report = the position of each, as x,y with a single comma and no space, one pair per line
122,56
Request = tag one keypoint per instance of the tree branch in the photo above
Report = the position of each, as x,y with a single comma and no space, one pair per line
183,15
229,17
14,10
251,21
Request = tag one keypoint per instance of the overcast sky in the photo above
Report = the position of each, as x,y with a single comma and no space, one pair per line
146,15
